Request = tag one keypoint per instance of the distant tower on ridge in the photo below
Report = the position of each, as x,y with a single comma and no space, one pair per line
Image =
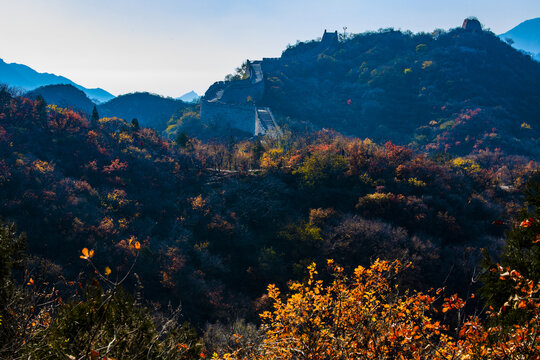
472,24
329,38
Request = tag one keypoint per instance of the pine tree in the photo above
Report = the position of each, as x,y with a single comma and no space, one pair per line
95,114
135,124
40,108
182,139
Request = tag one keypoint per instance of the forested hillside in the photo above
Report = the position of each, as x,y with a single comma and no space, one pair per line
457,91
151,110
208,225
65,96
116,242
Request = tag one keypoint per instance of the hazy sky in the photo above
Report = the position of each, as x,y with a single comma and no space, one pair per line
173,46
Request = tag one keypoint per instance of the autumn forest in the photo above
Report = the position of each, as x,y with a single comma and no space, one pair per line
345,236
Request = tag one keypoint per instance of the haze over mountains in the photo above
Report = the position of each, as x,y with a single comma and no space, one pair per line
22,76
190,97
430,91
526,37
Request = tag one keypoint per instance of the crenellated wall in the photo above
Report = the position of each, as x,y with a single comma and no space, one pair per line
234,104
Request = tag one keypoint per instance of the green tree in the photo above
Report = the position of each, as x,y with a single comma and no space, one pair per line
257,151
95,114
12,297
182,139
135,124
521,253
40,108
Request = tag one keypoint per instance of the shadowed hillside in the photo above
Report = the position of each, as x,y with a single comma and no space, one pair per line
150,110
458,91
66,96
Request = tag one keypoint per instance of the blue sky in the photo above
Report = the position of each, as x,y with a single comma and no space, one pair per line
171,47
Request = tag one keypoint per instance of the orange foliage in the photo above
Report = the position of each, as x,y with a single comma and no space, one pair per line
115,166
366,317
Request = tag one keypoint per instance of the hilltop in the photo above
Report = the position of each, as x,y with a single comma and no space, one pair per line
446,91
150,110
66,96
190,97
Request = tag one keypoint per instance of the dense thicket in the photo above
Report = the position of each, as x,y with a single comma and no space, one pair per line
211,224
219,221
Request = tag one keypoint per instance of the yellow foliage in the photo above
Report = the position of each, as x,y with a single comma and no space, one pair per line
197,203
124,137
43,167
415,182
427,64
366,316
467,165
272,158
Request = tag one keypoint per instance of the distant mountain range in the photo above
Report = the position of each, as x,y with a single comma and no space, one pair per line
190,97
22,76
526,37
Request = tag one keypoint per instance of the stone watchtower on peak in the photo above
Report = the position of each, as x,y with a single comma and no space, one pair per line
329,38
472,24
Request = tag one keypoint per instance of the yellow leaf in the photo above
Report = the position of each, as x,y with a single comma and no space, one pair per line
137,245
107,271
84,253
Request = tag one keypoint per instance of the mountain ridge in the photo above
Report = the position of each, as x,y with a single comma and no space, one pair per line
23,76
190,97
525,36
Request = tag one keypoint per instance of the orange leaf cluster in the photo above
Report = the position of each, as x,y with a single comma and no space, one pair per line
366,317
87,254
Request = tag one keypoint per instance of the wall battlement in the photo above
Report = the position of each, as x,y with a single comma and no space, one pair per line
234,104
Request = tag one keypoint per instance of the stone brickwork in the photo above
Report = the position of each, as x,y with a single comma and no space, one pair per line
233,104
236,116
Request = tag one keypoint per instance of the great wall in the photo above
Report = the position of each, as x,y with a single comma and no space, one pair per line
234,104
237,104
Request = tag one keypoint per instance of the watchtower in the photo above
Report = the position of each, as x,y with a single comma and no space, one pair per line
329,38
472,24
